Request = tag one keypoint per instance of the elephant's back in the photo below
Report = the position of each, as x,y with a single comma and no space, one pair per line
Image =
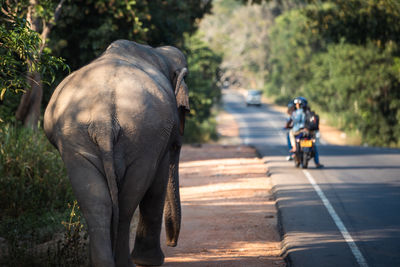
139,99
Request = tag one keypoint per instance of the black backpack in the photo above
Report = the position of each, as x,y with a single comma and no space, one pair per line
312,120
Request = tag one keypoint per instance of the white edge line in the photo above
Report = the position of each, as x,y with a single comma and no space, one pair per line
340,225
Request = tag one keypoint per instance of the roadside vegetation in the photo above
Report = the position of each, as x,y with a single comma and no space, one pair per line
35,203
343,55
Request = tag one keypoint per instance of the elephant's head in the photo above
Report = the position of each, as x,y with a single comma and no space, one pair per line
168,59
177,68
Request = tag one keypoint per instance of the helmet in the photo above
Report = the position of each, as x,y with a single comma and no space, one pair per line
301,100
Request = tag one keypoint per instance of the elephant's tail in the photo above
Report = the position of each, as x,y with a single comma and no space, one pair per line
106,145
109,169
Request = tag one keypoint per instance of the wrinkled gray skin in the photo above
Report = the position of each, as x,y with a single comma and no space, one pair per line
118,125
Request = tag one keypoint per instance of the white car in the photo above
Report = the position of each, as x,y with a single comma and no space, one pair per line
253,97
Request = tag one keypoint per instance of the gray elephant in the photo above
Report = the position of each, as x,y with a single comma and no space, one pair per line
118,124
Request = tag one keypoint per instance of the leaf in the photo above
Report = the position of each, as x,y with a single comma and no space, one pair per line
3,91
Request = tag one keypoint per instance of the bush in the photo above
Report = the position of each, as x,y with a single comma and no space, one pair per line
33,185
203,90
359,84
344,57
35,195
200,132
69,249
293,45
32,175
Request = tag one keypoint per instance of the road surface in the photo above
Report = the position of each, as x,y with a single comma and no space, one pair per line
347,214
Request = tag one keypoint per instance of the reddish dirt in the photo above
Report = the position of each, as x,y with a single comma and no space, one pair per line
229,215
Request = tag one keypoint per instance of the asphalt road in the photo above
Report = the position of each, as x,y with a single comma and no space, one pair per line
347,214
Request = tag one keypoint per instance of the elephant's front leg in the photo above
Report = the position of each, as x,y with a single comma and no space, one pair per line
147,250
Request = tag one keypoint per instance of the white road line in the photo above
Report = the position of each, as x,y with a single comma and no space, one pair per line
346,235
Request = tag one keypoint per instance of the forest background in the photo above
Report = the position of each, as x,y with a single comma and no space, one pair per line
343,55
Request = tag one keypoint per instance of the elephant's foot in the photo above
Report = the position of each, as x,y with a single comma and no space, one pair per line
148,258
128,263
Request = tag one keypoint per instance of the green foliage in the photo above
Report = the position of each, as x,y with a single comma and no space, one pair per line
240,34
293,44
360,84
356,21
69,249
203,90
73,250
343,56
32,175
20,53
200,132
203,66
8,106
171,19
35,192
97,23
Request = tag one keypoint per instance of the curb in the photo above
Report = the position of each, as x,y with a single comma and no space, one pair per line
275,191
281,229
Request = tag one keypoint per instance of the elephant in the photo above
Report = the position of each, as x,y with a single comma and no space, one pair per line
118,125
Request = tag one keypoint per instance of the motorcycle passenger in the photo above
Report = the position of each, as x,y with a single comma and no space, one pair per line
288,126
299,119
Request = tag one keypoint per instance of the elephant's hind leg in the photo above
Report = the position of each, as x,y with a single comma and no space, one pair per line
94,199
147,250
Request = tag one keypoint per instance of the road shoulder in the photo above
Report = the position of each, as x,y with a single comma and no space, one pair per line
229,214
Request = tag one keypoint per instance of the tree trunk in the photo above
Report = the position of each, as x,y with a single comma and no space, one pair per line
29,107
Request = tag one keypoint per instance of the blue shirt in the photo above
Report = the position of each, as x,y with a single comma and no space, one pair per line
299,119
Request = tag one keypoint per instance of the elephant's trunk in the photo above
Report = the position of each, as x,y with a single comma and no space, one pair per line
172,208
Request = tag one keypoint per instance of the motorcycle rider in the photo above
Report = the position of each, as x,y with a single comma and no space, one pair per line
299,120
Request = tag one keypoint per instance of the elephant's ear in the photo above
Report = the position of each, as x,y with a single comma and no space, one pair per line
182,98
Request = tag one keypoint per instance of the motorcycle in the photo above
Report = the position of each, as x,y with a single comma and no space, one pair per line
305,148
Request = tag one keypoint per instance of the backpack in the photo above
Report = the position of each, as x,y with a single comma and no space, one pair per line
312,120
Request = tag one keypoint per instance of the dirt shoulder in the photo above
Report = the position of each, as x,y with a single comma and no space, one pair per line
229,215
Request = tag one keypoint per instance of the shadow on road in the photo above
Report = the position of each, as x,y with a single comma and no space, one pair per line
381,233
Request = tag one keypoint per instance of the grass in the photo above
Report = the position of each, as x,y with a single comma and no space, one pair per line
35,194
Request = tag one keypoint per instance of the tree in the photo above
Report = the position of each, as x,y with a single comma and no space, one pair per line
293,45
361,86
204,92
240,33
356,21
155,22
100,22
24,59
342,55
41,20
